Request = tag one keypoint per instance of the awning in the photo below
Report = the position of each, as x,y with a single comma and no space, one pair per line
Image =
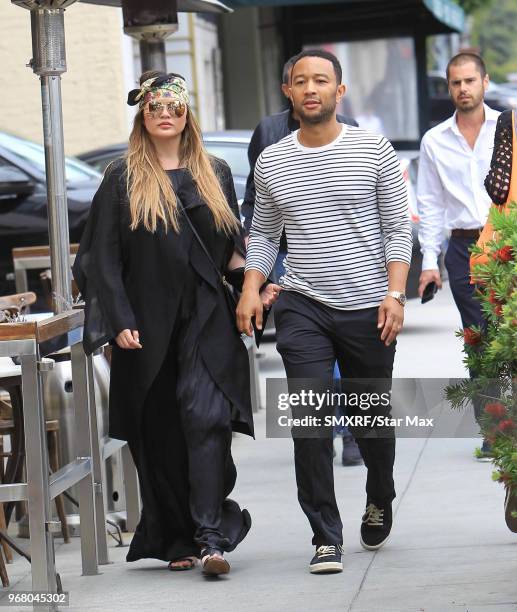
433,16
184,6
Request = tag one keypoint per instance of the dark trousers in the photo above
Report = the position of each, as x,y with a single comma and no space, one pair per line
310,338
457,262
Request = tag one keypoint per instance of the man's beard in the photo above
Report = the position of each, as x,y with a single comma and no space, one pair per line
323,116
471,105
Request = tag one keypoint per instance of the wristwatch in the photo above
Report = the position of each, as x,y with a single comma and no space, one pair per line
399,296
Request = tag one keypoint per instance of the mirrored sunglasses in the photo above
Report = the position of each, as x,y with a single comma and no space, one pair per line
175,107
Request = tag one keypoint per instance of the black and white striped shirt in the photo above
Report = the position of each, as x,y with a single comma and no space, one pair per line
344,207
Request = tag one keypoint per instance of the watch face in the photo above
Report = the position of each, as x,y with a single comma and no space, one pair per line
402,299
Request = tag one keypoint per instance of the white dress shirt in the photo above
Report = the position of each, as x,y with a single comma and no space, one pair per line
450,190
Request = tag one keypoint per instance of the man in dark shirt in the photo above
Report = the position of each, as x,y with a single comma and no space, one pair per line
269,131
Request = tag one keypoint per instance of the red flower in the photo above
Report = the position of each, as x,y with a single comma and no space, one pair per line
506,425
504,254
498,304
471,336
496,409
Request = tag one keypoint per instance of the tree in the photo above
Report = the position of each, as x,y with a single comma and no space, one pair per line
469,6
493,32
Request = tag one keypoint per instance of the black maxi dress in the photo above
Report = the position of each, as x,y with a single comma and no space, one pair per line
178,398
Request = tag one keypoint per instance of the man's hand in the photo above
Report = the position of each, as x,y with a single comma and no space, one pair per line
428,276
269,295
128,339
390,319
250,305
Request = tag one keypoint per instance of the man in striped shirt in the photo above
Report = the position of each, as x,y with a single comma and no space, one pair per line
339,193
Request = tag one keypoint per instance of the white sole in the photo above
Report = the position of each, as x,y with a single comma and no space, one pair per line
377,546
216,567
326,567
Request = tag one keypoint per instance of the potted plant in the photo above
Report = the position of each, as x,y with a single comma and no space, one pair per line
491,352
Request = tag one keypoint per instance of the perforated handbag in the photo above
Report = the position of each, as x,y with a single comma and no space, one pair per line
488,233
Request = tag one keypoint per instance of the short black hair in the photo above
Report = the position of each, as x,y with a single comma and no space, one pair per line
324,55
467,56
287,67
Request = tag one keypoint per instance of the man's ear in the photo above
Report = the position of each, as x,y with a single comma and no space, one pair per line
341,90
486,81
285,90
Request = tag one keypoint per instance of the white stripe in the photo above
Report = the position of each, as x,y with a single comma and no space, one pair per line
344,208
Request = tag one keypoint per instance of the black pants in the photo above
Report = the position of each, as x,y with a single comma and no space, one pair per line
457,262
310,338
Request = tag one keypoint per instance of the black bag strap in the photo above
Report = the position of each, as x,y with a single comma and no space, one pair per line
225,283
202,245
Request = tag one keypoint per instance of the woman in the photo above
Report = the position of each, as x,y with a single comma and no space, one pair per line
179,372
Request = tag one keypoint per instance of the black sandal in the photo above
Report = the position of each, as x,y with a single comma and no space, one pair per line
213,562
192,562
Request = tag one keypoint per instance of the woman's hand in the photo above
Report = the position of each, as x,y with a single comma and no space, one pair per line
128,339
269,294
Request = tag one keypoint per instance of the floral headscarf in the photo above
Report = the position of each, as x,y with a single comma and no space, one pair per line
167,86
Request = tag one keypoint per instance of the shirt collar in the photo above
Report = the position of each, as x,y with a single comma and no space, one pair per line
491,115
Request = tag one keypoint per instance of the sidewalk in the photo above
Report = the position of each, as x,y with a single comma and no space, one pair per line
450,548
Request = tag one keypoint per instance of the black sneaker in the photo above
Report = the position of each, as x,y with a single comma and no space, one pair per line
351,454
376,526
485,453
327,560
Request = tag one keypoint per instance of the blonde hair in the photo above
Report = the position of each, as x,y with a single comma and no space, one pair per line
151,195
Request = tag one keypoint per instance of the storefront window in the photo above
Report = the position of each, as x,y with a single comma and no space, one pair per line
380,76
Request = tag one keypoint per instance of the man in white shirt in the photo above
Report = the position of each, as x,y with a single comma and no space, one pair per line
454,161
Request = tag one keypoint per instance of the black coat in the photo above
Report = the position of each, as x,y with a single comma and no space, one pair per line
134,280
270,131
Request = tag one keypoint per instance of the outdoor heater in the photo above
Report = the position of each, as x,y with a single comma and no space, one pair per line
49,62
150,22
153,23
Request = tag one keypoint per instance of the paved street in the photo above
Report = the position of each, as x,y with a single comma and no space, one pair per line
450,548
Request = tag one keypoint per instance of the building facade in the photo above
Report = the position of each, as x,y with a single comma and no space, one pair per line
103,64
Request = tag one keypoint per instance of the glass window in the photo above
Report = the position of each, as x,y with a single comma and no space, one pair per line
380,76
35,154
235,155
